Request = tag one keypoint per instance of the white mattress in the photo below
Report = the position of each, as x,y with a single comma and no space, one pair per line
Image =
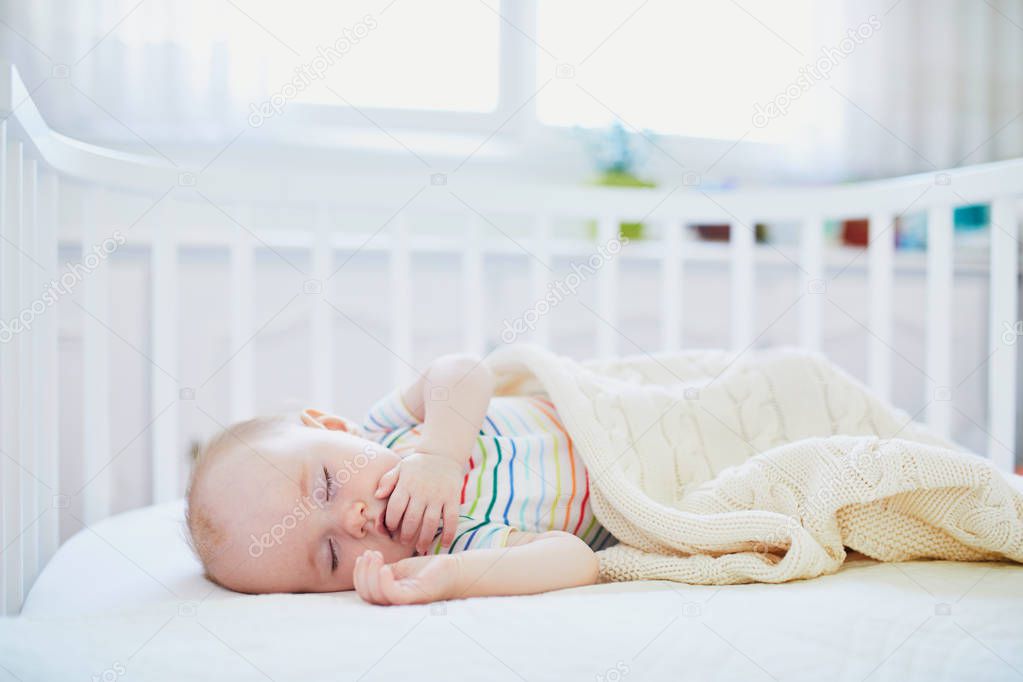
127,599
136,558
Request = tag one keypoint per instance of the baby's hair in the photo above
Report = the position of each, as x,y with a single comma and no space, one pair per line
205,536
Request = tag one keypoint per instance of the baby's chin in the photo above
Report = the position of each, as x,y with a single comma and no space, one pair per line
393,550
407,551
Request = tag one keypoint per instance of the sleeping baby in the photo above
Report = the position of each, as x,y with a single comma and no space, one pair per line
444,491
709,467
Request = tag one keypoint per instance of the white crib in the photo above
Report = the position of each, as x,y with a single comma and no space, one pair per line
58,193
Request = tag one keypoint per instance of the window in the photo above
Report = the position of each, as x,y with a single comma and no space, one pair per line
665,66
458,67
441,55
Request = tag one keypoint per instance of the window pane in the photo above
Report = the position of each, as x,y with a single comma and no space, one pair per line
683,67
441,55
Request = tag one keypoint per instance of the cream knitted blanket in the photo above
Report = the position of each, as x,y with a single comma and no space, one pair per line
717,468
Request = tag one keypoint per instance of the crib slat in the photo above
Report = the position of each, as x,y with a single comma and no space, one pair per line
21,446
7,362
939,317
95,289
607,289
811,258
28,377
11,559
671,289
538,275
472,289
401,311
164,446
321,357
1003,318
240,367
742,243
880,257
49,447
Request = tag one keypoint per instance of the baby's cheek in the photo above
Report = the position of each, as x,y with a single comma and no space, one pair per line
345,574
390,549
396,552
344,580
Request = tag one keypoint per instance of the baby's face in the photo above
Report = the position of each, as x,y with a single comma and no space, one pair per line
298,508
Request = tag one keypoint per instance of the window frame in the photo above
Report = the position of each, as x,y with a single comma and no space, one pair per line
515,110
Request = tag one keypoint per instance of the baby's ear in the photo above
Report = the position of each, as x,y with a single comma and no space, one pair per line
321,420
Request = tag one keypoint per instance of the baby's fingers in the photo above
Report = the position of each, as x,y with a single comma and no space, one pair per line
359,578
387,482
413,520
390,589
373,563
431,519
450,524
395,509
396,591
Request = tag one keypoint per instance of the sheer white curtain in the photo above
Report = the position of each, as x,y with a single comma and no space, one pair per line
109,69
940,84
192,70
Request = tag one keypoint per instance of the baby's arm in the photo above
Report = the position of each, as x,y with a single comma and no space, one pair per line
530,564
451,400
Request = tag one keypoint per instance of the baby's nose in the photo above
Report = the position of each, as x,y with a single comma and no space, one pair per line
354,519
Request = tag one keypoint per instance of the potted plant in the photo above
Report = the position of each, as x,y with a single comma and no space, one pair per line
617,155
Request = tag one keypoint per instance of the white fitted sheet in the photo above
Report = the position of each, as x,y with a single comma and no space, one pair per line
129,560
130,593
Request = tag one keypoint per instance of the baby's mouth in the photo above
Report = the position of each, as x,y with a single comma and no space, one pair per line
380,527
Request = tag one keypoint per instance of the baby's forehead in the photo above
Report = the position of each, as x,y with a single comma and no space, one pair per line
280,440
247,494
260,464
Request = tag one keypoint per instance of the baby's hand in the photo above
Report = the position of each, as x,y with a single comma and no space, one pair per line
416,580
424,489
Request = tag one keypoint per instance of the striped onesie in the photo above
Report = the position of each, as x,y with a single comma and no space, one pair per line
523,472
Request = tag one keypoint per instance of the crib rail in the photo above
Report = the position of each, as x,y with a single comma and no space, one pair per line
39,167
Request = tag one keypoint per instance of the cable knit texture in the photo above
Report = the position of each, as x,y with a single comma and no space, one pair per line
717,468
